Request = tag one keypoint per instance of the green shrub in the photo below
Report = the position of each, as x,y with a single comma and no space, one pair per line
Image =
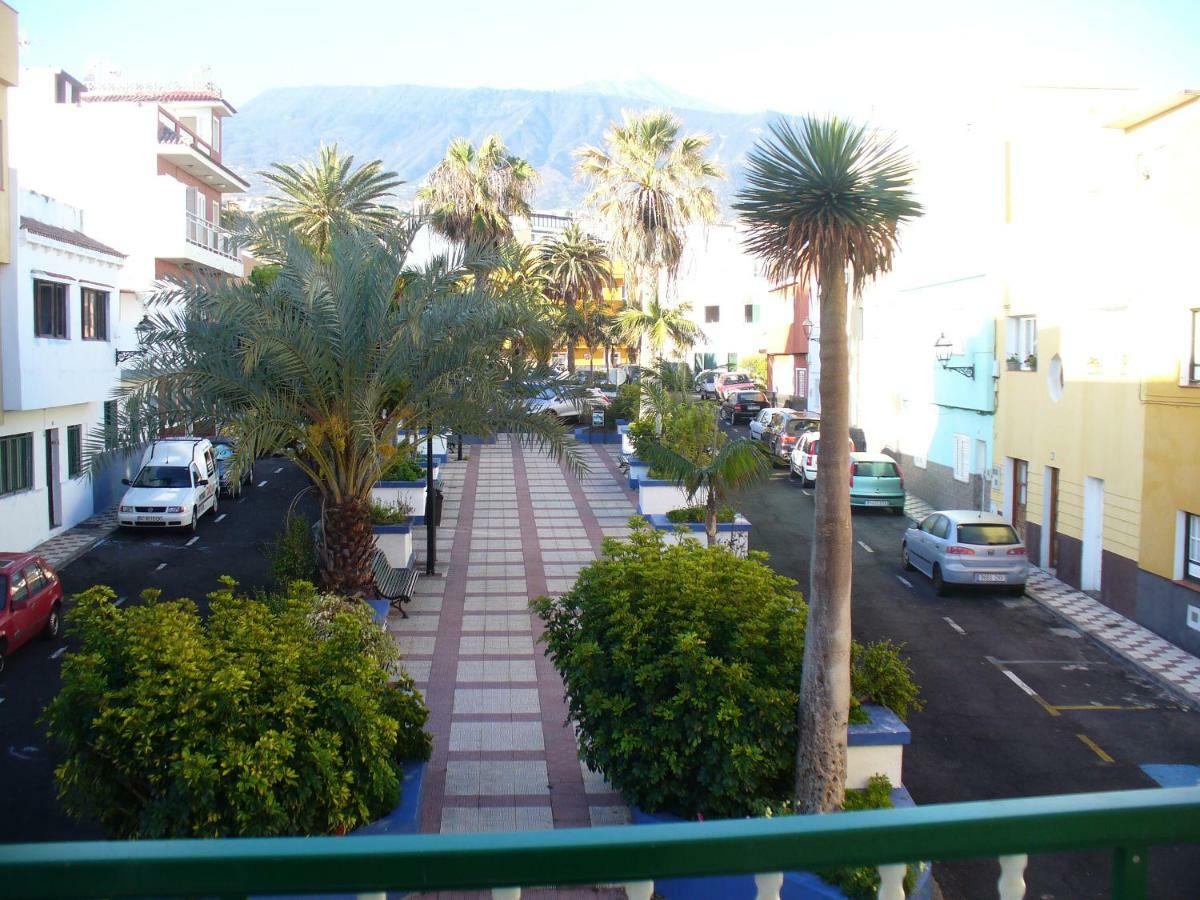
395,513
626,403
402,468
274,716
879,674
682,668
696,514
293,555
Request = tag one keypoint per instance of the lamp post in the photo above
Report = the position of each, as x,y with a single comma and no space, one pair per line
807,325
943,350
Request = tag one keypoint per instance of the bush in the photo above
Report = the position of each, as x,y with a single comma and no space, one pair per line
273,717
879,674
682,668
402,468
626,403
396,513
696,514
293,555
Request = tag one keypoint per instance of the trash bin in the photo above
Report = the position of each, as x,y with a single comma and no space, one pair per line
437,498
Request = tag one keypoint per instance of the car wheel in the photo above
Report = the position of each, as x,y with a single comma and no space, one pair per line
53,624
1017,590
195,521
249,479
904,560
897,510
939,583
2,651
791,474
216,502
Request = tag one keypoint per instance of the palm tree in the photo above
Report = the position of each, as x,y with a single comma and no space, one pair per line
730,466
472,194
659,326
341,347
329,194
576,267
822,197
648,184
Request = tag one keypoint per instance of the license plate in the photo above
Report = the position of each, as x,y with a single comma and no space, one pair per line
877,503
990,579
752,408
152,519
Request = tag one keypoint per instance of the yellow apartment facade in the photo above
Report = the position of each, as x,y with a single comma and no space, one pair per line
1097,442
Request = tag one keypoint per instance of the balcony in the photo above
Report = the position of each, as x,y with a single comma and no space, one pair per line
182,147
184,239
1126,823
203,233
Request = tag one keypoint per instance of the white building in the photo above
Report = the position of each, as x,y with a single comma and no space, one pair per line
60,321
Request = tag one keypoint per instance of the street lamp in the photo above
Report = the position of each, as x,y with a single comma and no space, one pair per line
807,325
943,350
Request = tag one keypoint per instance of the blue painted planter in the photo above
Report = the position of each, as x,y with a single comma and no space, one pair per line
596,437
405,818
638,470
379,609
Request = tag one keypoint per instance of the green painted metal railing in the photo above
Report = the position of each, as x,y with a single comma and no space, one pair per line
1126,822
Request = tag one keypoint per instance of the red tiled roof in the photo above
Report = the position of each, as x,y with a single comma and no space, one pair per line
67,236
94,96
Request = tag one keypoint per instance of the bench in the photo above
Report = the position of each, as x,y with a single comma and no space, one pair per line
394,585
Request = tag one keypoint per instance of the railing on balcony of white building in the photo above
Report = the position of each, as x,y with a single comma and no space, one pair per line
203,233
172,131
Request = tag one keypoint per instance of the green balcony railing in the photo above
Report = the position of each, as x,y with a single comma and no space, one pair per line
1128,823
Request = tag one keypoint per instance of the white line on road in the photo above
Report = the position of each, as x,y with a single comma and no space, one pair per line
954,625
161,566
192,541
280,469
1019,683
219,518
865,547
121,600
59,652
262,484
904,581
806,493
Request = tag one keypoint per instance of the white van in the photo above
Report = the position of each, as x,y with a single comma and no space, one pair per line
176,485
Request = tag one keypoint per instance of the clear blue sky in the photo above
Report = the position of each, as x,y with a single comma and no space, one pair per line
791,56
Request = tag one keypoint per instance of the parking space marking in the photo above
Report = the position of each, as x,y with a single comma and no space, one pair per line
806,492
59,652
121,601
1095,748
262,484
865,547
219,518
954,625
1015,679
904,581
280,469
161,566
192,541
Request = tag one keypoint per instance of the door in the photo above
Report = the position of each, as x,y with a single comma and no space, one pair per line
1050,518
54,498
981,467
1020,492
1093,534
20,617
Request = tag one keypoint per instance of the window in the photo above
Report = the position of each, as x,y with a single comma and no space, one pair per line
987,535
216,133
110,424
49,309
1022,343
712,314
1191,548
74,451
962,458
751,312
16,463
94,305
34,580
1194,362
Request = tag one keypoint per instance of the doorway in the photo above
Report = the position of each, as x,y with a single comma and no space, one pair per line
1093,534
52,494
1050,520
1020,492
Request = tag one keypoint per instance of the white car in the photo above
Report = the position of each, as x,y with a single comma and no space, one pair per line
177,484
706,383
802,463
558,404
964,546
759,422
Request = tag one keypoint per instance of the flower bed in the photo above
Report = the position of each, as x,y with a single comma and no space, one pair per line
735,535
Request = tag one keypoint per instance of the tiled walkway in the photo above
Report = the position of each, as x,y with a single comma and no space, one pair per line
516,525
67,546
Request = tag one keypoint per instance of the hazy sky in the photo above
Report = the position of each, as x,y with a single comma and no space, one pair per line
791,56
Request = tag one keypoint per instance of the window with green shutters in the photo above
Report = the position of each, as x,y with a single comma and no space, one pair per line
74,451
16,463
110,424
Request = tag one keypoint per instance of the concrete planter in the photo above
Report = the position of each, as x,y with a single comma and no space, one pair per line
389,493
586,435
405,818
440,448
876,748
657,497
396,543
637,471
627,447
735,534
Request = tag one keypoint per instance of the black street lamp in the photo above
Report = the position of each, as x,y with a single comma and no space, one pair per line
943,350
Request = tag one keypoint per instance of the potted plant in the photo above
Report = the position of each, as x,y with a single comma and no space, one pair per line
1014,363
1031,362
402,482
688,523
391,523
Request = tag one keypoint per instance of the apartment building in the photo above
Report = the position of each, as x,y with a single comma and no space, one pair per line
789,348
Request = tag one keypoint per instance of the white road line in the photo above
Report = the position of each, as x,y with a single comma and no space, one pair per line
954,625
219,518
1019,683
865,547
280,469
59,652
904,581
806,492
262,484
161,566
121,600
192,541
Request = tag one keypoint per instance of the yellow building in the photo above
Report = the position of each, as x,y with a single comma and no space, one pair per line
1098,418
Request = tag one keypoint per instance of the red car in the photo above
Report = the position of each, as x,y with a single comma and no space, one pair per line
30,601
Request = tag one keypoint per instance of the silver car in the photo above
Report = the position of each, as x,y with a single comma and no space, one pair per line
962,546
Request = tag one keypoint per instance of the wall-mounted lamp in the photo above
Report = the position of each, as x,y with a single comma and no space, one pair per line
943,350
807,325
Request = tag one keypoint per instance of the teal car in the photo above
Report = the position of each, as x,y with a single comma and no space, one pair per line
876,481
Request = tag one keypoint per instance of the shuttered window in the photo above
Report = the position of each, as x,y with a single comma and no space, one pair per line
16,463
74,451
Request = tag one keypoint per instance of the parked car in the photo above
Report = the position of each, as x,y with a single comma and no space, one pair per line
567,407
784,437
742,406
175,486
30,601
805,455
223,449
760,422
962,546
733,381
876,480
705,382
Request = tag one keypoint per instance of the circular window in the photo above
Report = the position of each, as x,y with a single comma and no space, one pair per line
1054,378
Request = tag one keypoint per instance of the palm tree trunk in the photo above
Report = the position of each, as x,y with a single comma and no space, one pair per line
569,299
710,517
345,563
825,684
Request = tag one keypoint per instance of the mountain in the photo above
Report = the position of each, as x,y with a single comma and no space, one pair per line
409,126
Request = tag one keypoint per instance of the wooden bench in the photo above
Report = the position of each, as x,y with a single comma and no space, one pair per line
394,585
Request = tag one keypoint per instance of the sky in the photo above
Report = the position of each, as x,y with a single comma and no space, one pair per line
792,57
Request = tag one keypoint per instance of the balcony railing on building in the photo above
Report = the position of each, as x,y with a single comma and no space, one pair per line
1125,823
203,233
172,131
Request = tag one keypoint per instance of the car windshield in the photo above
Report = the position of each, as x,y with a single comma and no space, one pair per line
547,394
751,397
224,451
3,591
988,535
163,477
873,469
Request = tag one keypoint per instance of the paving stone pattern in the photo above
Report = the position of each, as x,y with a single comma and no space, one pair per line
67,546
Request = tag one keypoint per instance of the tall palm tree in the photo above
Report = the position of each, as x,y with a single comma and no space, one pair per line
341,347
659,326
328,194
576,267
648,184
472,195
823,197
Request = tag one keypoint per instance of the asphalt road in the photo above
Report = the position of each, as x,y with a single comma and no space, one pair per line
981,736
128,562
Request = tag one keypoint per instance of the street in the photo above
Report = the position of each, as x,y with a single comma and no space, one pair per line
181,565
1014,705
